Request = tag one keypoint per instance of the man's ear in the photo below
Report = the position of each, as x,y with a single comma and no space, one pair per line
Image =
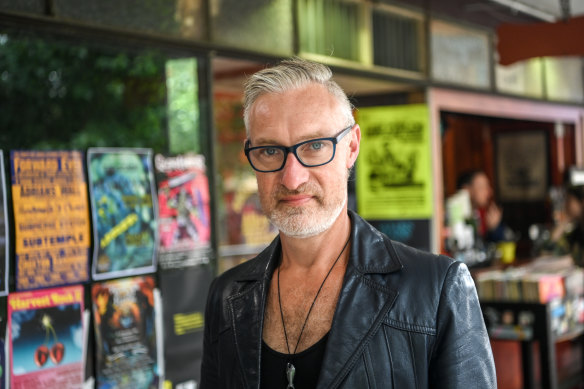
354,146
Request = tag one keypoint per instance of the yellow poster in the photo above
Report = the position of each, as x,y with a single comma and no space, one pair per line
394,176
51,215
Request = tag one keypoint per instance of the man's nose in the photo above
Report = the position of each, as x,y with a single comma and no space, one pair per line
294,173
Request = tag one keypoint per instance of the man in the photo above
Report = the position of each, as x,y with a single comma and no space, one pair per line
332,302
490,226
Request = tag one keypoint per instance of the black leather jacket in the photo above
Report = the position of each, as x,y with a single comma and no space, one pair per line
404,319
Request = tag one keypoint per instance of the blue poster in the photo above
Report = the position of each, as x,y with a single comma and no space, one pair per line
122,192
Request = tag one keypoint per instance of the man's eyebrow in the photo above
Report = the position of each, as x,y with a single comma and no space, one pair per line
262,141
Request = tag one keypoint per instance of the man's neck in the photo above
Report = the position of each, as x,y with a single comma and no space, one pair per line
315,253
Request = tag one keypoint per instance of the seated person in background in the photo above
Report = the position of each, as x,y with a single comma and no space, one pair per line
487,214
569,235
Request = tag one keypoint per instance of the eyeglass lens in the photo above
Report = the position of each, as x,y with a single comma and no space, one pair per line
311,153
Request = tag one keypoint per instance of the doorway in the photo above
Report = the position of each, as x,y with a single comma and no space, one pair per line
523,159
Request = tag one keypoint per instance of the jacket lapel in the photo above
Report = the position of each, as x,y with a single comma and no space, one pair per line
246,307
363,302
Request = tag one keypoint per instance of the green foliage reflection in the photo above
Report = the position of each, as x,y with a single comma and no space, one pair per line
58,95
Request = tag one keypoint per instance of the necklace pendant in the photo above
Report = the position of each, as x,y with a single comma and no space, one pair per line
290,371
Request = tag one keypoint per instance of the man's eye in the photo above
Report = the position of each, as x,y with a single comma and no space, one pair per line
270,151
316,146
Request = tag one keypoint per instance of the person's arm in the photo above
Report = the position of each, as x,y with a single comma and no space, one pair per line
209,365
495,225
462,356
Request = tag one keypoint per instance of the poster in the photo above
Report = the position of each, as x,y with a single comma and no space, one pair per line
4,238
415,233
51,218
184,295
46,338
184,217
124,212
125,343
394,176
522,160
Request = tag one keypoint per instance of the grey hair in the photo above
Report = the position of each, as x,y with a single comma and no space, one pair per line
289,74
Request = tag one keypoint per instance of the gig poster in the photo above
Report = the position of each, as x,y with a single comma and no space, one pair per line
4,238
125,336
51,218
394,176
184,295
184,217
45,333
124,211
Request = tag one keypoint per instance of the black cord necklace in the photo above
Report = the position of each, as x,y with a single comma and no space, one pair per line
290,369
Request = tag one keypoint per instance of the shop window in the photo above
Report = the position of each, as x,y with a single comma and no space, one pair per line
460,55
396,41
185,18
259,25
29,6
521,78
330,28
56,94
243,229
563,78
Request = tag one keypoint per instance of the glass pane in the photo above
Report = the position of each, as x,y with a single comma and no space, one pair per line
329,28
262,25
396,41
31,6
56,94
522,78
183,115
185,18
563,78
460,55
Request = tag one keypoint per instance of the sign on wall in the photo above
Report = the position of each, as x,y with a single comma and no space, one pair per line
394,177
51,218
46,338
184,222
121,187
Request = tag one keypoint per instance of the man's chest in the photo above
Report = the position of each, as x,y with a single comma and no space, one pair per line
299,312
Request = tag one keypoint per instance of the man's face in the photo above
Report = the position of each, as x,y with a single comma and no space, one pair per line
480,191
302,201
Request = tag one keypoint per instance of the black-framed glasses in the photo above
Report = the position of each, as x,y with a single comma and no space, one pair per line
310,153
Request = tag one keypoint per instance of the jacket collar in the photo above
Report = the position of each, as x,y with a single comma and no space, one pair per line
367,246
362,304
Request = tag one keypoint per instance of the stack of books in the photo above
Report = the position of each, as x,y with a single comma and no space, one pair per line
548,280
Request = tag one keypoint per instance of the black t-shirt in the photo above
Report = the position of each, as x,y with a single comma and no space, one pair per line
307,364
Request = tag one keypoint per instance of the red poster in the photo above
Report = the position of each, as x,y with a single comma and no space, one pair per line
45,335
183,209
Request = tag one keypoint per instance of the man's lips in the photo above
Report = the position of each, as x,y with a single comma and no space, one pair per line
296,199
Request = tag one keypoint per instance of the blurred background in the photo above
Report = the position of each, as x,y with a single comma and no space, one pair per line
472,114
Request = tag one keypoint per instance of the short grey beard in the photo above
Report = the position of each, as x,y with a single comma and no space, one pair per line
288,228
